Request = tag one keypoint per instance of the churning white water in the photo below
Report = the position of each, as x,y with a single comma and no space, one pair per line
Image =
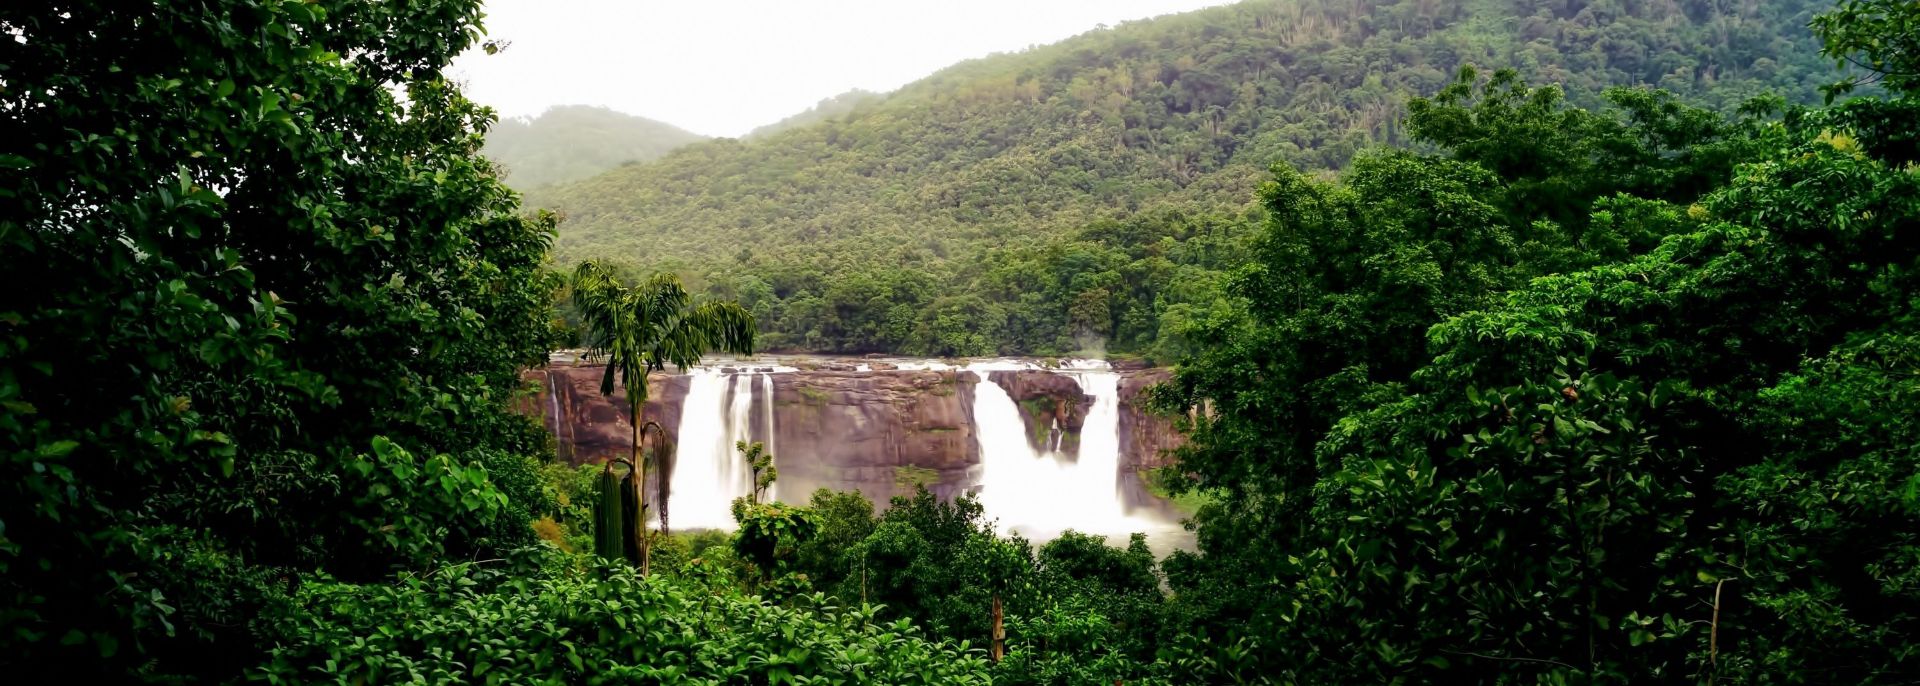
1037,493
1097,472
1041,493
708,473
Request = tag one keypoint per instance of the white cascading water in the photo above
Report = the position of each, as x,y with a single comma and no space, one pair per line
766,404
1097,472
739,428
708,472
1039,493
1036,493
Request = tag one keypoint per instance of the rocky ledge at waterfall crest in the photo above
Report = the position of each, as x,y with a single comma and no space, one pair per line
876,427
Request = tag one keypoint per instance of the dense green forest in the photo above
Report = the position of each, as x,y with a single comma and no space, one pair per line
574,142
1048,198
830,108
1556,393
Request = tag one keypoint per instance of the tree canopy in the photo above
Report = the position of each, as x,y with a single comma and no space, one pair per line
1642,446
1088,195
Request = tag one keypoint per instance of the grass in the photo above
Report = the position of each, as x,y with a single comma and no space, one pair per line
1039,406
1187,503
909,478
1041,410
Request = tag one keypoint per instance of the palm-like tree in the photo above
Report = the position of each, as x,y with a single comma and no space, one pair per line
643,328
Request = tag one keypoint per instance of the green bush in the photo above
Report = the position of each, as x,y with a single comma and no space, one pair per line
470,625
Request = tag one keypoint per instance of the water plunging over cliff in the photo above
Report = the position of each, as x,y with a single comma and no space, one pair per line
1042,492
767,430
1048,444
1097,472
708,472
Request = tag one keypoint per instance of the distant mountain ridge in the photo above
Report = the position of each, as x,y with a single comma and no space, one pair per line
1069,194
1114,120
573,142
837,106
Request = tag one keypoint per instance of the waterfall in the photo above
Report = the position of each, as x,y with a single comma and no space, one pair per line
766,404
1014,480
561,426
1039,492
708,473
1098,469
739,428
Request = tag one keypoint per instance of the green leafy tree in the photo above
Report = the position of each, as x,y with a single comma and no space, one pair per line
1347,273
1670,465
1881,37
1556,161
262,243
845,520
641,329
1097,618
760,467
771,534
939,564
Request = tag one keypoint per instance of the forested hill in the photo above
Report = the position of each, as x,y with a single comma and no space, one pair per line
1176,117
837,106
577,141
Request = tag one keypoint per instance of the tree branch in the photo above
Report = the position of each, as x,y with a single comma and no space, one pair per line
1509,659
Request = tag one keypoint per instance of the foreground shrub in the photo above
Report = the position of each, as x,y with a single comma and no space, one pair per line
607,625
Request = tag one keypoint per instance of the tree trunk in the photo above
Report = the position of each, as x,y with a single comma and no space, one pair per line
640,484
630,523
999,631
609,516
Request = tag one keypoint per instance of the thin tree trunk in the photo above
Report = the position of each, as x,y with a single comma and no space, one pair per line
999,631
640,483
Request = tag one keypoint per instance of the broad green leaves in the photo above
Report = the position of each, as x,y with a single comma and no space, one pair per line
604,625
247,259
645,327
1880,37
1656,447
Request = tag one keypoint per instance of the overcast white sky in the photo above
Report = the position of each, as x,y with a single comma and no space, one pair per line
723,67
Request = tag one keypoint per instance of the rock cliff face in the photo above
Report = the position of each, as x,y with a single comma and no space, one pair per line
880,432
877,432
1146,439
1052,404
590,427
